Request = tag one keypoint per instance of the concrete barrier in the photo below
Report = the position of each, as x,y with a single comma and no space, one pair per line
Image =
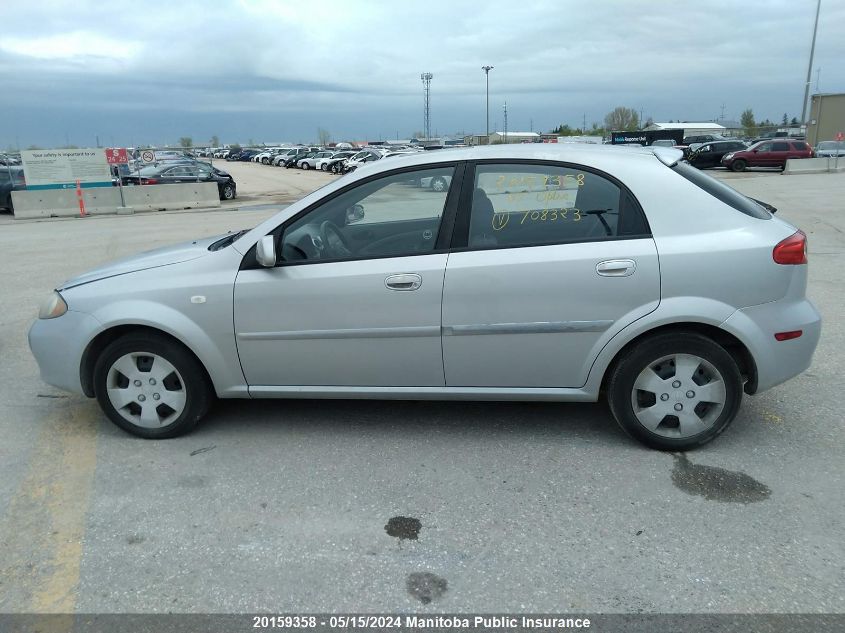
814,165
48,203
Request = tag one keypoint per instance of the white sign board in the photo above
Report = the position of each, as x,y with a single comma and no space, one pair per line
62,168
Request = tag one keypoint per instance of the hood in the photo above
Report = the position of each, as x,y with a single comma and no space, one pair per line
150,259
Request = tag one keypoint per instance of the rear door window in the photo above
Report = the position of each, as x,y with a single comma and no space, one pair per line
780,147
535,204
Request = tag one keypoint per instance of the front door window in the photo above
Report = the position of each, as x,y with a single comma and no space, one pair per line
390,217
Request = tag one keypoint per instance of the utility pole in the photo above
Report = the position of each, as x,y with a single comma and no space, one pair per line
505,123
487,70
426,79
584,124
810,65
722,117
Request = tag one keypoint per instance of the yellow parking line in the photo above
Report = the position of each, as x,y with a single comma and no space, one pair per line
45,522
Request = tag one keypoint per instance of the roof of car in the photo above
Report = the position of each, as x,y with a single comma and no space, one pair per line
565,152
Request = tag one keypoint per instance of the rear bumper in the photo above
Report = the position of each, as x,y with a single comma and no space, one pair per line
777,361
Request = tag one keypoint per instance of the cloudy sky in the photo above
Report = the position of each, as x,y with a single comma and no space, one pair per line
276,70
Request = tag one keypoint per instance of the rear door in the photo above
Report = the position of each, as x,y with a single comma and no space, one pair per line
780,152
546,257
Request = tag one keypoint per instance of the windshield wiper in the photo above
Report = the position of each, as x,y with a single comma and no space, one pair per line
226,241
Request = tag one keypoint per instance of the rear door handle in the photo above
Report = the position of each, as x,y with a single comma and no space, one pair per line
616,267
405,281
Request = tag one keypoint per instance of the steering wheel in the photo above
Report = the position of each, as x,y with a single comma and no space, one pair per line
335,243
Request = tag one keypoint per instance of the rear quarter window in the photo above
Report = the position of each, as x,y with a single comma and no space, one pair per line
721,191
799,146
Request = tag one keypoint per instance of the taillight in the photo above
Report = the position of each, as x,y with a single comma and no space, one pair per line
792,250
149,181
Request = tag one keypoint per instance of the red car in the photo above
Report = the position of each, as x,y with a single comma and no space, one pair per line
772,153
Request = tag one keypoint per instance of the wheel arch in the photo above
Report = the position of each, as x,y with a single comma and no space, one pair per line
99,343
730,343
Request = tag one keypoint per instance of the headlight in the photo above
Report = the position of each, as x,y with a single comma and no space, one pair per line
728,156
53,307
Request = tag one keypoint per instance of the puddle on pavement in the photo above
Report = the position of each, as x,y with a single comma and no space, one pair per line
403,528
425,586
717,484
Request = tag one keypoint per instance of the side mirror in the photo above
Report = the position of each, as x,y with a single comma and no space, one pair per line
265,251
355,213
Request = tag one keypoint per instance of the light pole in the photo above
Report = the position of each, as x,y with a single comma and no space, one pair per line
487,70
810,66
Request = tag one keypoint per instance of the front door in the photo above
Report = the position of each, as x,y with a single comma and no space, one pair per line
555,256
355,299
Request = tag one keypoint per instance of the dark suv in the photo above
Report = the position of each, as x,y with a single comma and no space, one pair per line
11,179
772,153
710,154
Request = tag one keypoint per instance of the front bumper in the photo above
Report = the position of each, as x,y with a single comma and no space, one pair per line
58,345
777,361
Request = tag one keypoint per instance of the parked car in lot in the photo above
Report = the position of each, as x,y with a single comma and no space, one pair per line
372,288
185,173
325,163
702,138
309,161
710,154
773,153
830,148
292,160
11,179
361,158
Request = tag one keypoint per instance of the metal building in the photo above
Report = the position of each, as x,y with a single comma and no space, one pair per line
827,117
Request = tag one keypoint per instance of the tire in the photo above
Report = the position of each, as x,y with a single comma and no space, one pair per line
324,167
644,393
439,184
265,161
175,378
8,203
739,165
228,192
305,166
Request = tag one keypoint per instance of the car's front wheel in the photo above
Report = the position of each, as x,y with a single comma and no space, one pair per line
675,391
739,165
151,387
228,192
305,166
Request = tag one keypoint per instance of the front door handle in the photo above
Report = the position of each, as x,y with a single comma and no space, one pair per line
616,267
405,281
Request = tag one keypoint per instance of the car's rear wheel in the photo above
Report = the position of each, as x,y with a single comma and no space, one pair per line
228,192
675,391
151,387
739,165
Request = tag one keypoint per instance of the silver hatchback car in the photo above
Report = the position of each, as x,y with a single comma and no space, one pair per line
539,273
